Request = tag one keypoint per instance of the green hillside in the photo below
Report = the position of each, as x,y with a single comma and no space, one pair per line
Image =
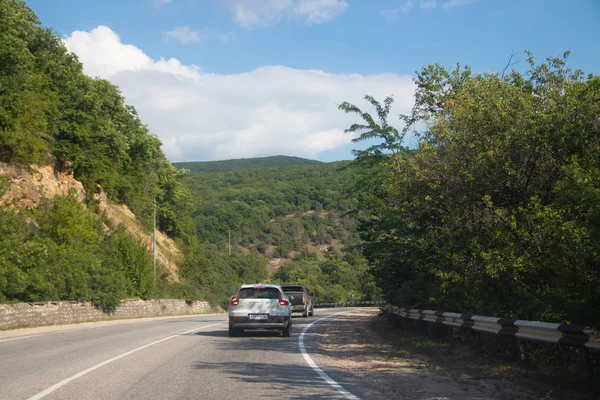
244,163
249,202
297,218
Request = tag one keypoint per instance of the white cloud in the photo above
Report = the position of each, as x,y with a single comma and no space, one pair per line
456,3
105,56
248,13
267,111
393,13
251,13
318,11
186,35
183,34
428,4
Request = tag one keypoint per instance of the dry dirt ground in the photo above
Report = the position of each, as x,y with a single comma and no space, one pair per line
358,349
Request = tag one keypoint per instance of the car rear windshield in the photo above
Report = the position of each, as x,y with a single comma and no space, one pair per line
292,289
259,293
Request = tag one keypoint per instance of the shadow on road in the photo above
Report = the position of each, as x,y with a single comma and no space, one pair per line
287,374
252,341
287,381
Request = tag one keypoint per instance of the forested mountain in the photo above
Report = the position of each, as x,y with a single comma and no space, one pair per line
258,205
298,218
244,163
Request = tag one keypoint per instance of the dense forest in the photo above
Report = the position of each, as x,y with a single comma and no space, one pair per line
280,206
297,215
497,212
244,163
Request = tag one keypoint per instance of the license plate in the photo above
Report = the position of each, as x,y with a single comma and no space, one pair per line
258,316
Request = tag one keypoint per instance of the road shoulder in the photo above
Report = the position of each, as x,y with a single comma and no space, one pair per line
349,343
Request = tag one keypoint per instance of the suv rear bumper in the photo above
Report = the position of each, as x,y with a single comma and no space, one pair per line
273,322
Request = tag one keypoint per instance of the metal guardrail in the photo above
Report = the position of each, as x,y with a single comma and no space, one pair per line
561,334
564,334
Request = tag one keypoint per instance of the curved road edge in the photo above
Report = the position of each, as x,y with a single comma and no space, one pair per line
339,388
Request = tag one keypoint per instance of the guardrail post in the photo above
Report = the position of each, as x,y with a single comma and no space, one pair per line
518,349
451,335
562,357
588,362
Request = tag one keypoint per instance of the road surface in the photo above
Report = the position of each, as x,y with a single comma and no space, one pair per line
174,358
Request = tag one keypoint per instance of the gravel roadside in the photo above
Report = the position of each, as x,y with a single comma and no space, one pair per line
349,343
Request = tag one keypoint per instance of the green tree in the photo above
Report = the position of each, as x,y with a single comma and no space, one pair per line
495,211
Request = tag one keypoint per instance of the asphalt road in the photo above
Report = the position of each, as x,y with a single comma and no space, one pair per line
174,358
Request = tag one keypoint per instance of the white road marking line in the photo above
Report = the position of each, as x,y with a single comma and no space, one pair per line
315,367
95,367
18,338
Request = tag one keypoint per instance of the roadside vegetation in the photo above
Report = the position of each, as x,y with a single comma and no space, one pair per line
341,277
497,212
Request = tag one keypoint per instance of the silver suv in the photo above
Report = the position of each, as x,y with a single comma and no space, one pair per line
260,306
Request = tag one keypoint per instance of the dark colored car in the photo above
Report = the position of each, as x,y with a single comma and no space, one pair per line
302,301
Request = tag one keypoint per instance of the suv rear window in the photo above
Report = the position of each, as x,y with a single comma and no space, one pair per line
259,293
292,289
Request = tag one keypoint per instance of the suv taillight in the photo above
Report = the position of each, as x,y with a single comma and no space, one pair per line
303,300
283,302
236,301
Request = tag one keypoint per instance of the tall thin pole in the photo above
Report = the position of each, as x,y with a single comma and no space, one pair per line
154,244
229,240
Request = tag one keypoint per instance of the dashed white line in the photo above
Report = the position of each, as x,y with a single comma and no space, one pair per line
95,367
18,338
315,367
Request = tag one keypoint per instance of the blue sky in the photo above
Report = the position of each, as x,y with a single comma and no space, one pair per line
264,76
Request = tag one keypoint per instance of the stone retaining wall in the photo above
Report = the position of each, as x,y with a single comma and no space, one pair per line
69,312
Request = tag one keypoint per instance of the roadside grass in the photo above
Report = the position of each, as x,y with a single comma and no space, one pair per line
464,360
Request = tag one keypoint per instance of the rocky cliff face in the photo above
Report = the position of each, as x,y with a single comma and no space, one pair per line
26,187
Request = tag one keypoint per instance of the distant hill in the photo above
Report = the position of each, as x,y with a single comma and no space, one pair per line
279,211
244,163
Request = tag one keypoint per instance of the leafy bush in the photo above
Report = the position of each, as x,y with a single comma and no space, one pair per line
60,252
332,280
496,212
